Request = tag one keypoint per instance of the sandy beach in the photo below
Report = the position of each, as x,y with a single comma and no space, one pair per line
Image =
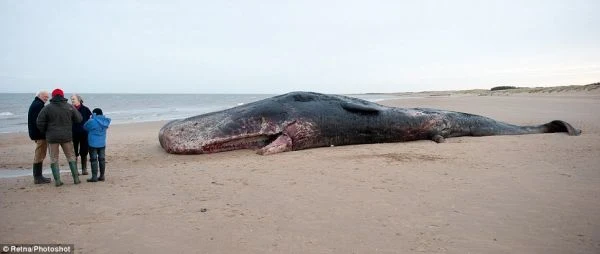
502,194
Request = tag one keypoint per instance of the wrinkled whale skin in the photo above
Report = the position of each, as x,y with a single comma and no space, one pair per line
301,120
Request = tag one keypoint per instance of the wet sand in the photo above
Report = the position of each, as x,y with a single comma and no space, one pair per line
503,194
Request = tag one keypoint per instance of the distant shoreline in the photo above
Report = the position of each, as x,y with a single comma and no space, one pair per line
589,88
550,89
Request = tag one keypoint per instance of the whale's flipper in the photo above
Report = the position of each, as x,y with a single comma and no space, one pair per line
283,143
438,138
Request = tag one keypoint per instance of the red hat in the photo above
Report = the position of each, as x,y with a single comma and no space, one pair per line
58,92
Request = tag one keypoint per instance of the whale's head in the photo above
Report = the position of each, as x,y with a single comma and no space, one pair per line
219,132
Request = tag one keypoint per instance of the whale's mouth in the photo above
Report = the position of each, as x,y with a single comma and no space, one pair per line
248,141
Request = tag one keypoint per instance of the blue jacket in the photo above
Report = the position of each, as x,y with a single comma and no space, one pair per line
96,128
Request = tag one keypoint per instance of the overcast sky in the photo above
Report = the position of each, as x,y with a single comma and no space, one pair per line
279,46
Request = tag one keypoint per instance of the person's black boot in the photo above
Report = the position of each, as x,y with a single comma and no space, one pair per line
102,164
38,178
84,165
94,166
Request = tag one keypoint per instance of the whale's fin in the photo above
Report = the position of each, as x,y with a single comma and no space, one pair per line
438,138
360,108
562,126
482,126
283,143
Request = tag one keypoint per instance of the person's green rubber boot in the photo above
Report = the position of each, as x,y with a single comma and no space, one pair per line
74,173
94,166
56,174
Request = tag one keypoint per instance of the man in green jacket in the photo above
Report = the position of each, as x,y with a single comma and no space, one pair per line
56,120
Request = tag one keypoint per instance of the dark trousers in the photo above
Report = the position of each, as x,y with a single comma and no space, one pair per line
80,143
97,154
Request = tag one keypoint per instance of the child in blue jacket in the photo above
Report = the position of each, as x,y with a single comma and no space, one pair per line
96,128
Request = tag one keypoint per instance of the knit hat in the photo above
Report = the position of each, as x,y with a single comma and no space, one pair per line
97,111
58,92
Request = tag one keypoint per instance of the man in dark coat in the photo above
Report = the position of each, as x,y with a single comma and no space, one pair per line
41,146
56,121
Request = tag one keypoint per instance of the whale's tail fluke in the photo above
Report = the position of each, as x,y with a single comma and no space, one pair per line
561,126
483,126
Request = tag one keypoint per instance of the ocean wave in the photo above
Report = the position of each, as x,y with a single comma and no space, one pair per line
8,115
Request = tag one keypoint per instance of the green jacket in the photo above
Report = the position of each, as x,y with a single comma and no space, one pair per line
56,120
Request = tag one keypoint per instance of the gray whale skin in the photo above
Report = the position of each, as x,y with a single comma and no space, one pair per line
301,120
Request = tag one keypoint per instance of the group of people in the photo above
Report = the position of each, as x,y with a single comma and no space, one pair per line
72,127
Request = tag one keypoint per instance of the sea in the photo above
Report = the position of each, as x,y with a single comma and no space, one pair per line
133,108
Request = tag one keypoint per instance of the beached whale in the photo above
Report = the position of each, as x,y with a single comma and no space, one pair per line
301,120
